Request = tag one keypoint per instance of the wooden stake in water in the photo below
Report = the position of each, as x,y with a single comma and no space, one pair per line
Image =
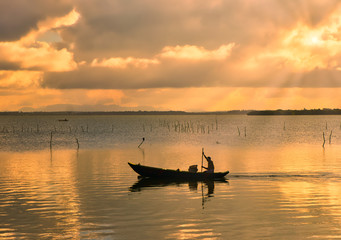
51,141
77,143
202,158
330,137
324,140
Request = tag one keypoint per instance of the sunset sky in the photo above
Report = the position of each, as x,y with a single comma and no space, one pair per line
190,55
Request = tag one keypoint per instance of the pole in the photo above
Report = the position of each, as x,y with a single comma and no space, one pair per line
202,187
202,158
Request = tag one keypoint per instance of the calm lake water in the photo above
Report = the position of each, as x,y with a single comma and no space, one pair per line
282,184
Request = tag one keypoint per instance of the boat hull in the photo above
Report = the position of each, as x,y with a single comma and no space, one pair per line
153,172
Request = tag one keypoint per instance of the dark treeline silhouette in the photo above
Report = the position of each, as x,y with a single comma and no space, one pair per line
324,111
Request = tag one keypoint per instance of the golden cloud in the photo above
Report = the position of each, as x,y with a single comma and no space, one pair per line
20,79
118,62
30,54
187,52
191,52
305,48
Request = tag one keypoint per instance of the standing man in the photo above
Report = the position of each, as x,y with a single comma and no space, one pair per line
210,165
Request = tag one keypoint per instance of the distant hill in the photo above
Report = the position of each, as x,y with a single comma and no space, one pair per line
324,111
234,112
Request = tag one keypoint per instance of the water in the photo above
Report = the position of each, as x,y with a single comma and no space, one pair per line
282,183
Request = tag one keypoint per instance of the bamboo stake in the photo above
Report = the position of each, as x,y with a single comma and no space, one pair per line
77,143
202,158
330,137
51,141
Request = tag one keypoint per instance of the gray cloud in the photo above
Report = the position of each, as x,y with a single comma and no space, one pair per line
5,65
125,28
175,75
172,75
18,17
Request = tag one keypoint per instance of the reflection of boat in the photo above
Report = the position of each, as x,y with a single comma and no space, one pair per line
63,120
145,183
153,172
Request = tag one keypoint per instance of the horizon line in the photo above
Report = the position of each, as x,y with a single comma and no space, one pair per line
151,112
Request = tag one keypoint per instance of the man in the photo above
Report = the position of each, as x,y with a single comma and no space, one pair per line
210,165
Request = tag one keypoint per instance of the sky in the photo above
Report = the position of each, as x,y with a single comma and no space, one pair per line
157,55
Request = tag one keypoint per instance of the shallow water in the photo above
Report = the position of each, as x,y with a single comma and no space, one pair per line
282,182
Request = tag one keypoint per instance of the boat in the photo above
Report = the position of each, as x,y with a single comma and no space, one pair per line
63,120
160,173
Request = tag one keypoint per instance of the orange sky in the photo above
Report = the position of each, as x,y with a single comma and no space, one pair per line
169,55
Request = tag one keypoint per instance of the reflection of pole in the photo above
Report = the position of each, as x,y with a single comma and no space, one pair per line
143,156
51,155
202,196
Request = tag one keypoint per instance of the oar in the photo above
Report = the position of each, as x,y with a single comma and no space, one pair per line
141,142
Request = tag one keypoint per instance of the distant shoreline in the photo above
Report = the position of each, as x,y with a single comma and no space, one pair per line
75,113
279,112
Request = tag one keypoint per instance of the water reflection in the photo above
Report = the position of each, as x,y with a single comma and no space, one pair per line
282,184
147,183
206,187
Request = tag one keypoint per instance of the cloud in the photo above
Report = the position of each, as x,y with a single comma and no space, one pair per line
181,45
212,45
118,62
127,45
19,17
196,53
30,54
37,56
20,79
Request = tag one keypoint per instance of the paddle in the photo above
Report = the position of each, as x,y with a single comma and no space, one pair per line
141,142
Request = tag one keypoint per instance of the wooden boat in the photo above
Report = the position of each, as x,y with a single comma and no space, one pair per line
153,172
63,120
